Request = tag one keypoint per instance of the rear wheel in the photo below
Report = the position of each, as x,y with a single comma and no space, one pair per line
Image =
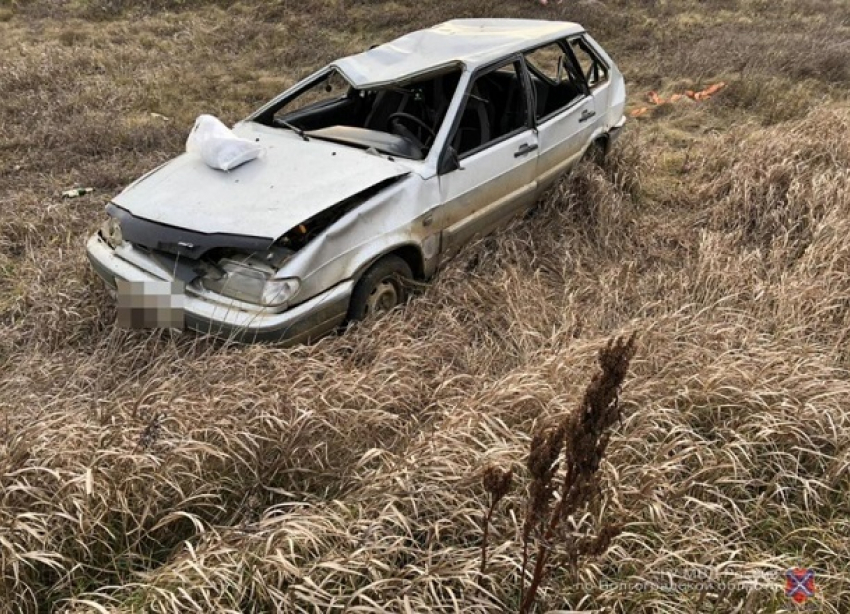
382,288
596,152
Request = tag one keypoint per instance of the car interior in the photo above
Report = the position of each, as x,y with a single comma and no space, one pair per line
496,105
403,120
400,120
555,79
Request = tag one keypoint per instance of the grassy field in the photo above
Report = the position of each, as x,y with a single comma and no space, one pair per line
153,472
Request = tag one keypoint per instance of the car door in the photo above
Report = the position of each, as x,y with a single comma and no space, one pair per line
496,157
595,71
565,109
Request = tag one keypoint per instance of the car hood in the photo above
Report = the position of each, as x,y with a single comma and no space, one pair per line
289,183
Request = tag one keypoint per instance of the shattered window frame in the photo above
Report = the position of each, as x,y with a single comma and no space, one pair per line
598,66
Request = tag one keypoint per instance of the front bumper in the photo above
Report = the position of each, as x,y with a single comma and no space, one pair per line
306,321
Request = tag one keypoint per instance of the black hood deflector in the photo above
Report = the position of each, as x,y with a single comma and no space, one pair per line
179,241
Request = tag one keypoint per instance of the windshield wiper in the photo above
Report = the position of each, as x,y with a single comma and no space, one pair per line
294,128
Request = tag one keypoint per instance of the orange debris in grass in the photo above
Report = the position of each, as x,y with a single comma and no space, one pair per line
707,92
655,99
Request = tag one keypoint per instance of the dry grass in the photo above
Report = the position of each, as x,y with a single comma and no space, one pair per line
159,473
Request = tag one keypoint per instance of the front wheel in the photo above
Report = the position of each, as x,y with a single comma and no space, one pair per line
382,288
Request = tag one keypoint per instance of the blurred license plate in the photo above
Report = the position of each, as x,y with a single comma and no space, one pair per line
151,304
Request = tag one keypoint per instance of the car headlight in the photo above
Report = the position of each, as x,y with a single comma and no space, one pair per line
280,291
251,281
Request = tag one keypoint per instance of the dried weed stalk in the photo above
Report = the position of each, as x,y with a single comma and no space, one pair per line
583,436
497,482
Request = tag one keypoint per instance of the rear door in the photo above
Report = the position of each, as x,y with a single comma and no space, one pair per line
594,70
565,108
496,149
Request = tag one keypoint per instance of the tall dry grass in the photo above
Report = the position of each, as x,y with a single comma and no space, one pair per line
168,473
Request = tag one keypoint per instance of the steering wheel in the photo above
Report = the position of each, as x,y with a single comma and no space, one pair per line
395,117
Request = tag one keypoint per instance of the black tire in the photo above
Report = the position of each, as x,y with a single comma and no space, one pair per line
597,151
381,288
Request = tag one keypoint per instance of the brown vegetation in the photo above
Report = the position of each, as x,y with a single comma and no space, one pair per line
168,473
582,438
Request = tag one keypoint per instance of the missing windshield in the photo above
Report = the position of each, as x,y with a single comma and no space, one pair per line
397,120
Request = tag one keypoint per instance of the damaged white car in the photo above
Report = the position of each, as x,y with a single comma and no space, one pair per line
371,172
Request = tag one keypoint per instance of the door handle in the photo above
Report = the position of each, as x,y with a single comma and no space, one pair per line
524,149
586,115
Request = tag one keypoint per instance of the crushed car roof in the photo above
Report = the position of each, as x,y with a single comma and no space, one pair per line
473,42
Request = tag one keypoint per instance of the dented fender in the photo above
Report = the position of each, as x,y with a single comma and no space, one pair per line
397,217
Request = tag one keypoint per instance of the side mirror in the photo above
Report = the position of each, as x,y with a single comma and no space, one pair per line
449,161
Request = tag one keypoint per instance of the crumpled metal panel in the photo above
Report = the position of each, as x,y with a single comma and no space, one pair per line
292,181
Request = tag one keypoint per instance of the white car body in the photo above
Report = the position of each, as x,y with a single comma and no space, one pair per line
326,200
